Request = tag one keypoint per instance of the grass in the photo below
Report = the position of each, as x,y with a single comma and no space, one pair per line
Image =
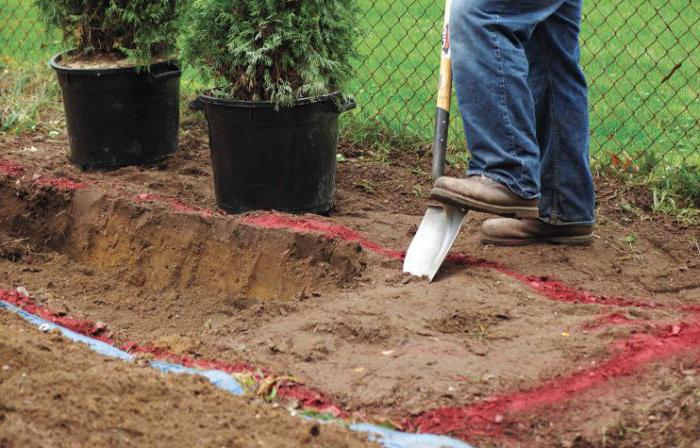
642,59
26,92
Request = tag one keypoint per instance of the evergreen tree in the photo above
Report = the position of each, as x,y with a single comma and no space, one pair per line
272,50
139,29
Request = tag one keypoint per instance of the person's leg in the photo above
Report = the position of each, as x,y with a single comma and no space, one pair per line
568,195
490,65
560,102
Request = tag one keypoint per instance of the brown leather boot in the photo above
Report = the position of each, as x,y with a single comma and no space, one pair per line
483,194
521,232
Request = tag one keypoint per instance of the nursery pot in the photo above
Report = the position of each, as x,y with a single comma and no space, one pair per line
274,158
120,116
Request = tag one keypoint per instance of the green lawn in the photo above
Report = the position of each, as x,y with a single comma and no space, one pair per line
630,48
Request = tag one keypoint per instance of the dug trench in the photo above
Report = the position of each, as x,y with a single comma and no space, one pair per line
310,299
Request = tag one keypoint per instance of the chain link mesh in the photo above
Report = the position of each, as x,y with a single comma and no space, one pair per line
641,57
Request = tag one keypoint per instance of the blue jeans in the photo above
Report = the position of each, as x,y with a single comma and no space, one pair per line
524,100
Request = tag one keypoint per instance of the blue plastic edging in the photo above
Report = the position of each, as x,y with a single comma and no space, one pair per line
397,439
222,380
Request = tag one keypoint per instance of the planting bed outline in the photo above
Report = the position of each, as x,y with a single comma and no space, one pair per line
485,417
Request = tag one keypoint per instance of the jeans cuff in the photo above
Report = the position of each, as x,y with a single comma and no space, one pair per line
514,187
567,223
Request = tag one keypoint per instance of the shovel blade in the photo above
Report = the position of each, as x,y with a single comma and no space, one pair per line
435,236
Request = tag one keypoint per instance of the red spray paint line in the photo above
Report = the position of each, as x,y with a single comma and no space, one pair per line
488,417
96,330
609,320
14,169
62,184
188,361
327,229
310,399
553,289
306,397
175,204
11,169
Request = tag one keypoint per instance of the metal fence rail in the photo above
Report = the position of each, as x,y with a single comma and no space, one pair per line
642,59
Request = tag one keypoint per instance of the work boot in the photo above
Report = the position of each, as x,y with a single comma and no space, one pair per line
521,232
483,194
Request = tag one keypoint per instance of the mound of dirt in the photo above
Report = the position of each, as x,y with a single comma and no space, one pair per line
58,393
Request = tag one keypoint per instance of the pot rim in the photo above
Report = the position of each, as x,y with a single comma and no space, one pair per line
243,104
54,63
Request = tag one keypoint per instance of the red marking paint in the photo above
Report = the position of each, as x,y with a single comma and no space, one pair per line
175,204
553,289
14,169
10,168
488,416
96,330
60,183
610,319
309,399
327,229
188,361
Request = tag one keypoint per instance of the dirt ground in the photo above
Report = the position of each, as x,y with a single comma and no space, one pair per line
546,345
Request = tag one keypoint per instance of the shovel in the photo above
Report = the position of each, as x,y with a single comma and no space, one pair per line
441,224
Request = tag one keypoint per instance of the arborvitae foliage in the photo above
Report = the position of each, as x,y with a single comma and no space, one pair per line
272,50
139,29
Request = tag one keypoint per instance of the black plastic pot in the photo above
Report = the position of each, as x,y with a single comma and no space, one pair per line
268,159
120,116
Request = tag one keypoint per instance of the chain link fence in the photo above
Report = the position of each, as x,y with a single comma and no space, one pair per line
642,59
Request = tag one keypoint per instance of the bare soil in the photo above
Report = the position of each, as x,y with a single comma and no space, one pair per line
102,61
146,251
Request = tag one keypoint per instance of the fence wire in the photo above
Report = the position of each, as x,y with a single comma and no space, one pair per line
641,57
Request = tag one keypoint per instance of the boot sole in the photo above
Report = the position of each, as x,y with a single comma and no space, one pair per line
581,240
457,200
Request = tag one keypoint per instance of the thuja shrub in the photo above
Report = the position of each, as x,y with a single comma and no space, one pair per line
271,50
138,29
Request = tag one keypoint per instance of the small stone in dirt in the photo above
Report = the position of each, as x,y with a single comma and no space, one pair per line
22,290
5,367
274,348
315,430
488,377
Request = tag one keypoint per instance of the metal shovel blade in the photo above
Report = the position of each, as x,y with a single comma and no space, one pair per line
437,233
